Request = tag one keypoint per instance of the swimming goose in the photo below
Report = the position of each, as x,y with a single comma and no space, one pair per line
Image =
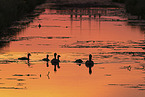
39,25
53,61
25,58
46,59
89,63
78,61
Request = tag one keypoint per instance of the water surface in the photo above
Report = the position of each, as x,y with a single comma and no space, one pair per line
116,47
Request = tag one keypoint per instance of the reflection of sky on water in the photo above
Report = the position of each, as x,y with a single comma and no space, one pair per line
117,51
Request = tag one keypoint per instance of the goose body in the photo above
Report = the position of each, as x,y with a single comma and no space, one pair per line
89,63
46,59
25,58
39,25
78,61
55,61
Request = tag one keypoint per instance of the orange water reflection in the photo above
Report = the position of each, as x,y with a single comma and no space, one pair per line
111,43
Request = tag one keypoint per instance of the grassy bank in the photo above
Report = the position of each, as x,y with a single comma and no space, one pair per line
11,10
135,7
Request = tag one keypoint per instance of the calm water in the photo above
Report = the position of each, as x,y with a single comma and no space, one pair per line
116,47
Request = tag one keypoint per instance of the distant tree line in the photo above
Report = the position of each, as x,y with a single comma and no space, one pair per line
11,10
135,7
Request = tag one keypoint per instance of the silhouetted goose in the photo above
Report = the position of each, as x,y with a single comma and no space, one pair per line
46,59
25,58
58,58
89,63
39,25
53,61
79,61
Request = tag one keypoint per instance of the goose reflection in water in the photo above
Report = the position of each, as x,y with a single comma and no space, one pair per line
89,64
55,61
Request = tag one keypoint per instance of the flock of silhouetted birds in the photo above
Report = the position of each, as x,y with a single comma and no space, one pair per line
55,61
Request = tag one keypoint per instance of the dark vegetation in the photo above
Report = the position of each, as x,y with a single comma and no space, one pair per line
120,1
11,10
135,7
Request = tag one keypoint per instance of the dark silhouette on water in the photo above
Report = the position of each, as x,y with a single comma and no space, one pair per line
129,68
55,61
47,64
79,61
39,25
89,63
46,59
99,16
25,58
48,75
28,64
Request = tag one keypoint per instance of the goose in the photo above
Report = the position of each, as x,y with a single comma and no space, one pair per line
46,59
58,58
89,63
39,25
54,59
79,61
25,58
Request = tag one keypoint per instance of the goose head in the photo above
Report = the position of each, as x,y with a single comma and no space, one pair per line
29,54
55,55
90,57
47,56
58,57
